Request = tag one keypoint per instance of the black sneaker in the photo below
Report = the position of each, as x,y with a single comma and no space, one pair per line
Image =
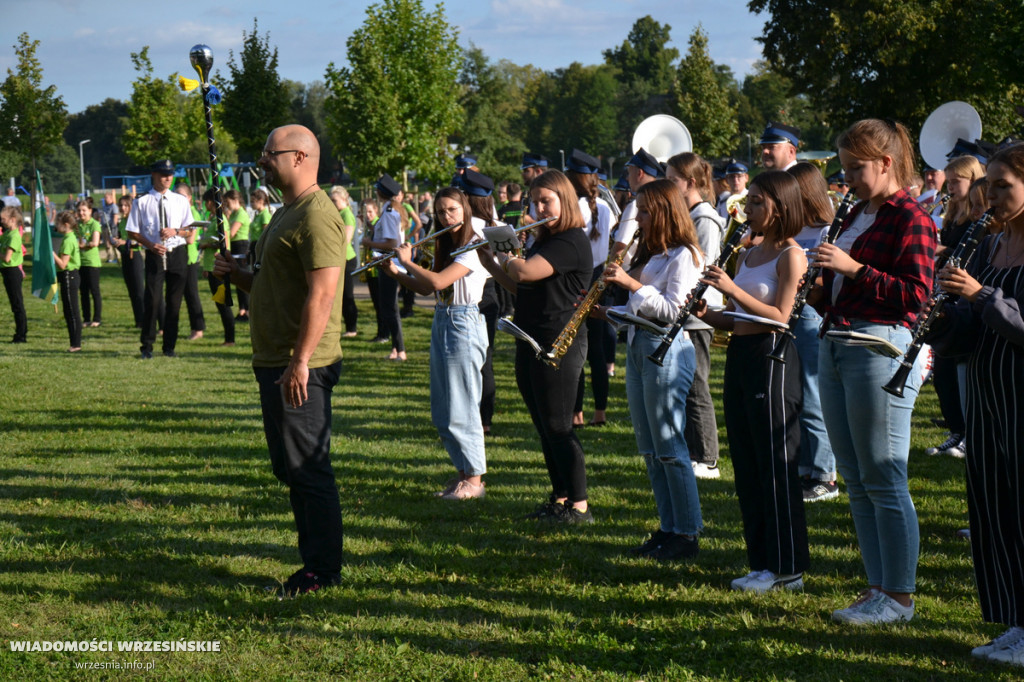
657,537
817,491
544,510
304,582
675,547
566,513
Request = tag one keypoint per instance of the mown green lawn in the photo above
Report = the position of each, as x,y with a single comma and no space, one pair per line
136,503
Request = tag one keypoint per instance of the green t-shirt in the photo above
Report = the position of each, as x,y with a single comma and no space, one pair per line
240,216
90,255
259,221
193,248
349,219
210,253
11,239
69,245
307,235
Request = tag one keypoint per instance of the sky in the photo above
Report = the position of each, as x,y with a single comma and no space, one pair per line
85,47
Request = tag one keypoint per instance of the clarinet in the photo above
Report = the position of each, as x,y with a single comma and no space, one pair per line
728,249
961,257
807,283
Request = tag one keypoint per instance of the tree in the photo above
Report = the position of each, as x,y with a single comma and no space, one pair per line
703,105
255,99
306,102
103,124
32,117
60,170
396,103
897,58
154,129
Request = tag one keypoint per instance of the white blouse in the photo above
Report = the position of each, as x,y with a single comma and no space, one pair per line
666,280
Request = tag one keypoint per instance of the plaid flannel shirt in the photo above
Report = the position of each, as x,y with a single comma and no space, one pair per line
898,252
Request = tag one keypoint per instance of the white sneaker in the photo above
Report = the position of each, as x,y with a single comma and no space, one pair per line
959,450
1014,635
767,581
951,442
878,610
739,583
1010,653
843,615
701,470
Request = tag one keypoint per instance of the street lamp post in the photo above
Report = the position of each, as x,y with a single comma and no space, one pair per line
81,164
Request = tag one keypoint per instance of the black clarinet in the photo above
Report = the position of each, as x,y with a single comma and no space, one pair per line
728,249
960,258
807,283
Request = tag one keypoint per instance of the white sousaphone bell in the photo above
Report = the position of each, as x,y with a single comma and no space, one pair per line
662,136
943,127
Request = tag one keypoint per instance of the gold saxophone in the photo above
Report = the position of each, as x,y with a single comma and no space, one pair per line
568,335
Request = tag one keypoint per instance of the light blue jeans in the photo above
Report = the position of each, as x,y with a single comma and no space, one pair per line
458,346
870,434
817,461
657,406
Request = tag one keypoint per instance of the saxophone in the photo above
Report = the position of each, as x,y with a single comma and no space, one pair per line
568,335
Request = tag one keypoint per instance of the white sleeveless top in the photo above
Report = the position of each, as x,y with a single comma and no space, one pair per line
760,281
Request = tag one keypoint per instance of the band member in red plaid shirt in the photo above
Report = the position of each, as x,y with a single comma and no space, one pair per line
878,275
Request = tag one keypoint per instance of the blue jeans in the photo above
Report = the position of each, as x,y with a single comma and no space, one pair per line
816,459
657,406
870,434
458,346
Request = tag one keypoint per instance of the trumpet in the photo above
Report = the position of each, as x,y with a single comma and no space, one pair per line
685,310
483,242
807,283
391,254
962,255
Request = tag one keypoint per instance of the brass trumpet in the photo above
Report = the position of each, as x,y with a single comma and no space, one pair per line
391,254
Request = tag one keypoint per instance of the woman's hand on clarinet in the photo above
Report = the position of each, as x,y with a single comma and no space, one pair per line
699,309
835,259
956,281
719,279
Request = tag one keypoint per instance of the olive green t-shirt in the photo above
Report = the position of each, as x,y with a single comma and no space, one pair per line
11,239
90,255
69,245
307,235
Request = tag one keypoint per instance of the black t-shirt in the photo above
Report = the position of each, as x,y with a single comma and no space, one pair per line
543,308
510,213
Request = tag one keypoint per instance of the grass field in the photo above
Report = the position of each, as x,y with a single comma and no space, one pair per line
137,504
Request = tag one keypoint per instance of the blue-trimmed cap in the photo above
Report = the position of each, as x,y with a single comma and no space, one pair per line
839,178
718,172
602,175
647,163
163,167
531,160
736,168
387,186
978,149
581,162
777,133
464,161
623,184
475,184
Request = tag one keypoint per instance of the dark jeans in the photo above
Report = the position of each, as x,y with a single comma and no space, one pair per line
156,279
133,269
299,440
69,282
349,311
549,394
388,293
701,431
196,320
92,301
12,284
226,318
947,388
489,308
373,284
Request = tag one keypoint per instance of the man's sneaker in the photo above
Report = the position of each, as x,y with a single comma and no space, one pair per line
1012,636
738,583
702,470
951,442
816,491
657,537
304,582
568,514
765,581
1011,651
959,450
464,490
880,609
675,547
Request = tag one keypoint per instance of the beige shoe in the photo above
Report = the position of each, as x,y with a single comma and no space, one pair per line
464,490
196,335
449,486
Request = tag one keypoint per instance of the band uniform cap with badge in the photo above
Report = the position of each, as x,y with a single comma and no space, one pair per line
736,168
388,186
531,160
647,163
464,161
779,133
581,162
163,167
474,183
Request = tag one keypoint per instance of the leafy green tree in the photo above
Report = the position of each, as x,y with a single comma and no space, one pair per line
306,106
60,170
154,129
32,117
255,99
192,118
396,103
103,124
702,104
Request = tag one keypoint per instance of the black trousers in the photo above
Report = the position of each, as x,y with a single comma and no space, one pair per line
240,252
69,282
388,313
373,284
12,284
349,311
549,394
156,280
226,318
194,304
299,440
947,388
133,270
762,416
490,307
92,301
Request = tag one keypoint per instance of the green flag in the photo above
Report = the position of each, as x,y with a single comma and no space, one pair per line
44,270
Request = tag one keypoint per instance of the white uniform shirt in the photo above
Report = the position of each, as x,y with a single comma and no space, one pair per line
666,278
469,289
710,232
144,218
389,226
599,245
